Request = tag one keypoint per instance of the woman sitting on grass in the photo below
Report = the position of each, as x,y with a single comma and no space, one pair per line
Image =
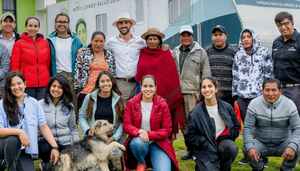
147,120
212,129
60,116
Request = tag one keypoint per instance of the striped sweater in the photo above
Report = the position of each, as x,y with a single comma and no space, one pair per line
272,123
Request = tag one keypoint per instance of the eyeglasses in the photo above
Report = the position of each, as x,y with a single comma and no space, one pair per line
62,22
285,24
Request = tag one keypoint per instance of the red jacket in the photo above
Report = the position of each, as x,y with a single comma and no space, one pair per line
32,59
160,123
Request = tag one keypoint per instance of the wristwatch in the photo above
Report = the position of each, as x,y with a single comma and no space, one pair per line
55,148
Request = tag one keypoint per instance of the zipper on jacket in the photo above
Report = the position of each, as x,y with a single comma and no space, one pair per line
37,63
55,123
271,122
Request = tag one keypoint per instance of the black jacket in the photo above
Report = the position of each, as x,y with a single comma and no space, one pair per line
201,132
16,34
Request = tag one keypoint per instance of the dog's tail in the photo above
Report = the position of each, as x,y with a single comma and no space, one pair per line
63,163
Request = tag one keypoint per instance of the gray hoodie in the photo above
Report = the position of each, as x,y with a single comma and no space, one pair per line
61,123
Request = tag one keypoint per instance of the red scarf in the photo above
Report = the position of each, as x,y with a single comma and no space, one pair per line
161,65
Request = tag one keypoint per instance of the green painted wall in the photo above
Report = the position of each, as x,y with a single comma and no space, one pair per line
57,1
1,7
25,9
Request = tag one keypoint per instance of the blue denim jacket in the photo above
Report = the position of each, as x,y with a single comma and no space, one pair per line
33,119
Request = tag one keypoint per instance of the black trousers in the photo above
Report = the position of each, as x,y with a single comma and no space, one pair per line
243,105
15,158
228,151
45,149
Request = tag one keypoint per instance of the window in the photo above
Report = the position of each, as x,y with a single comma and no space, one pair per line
101,22
139,12
179,11
9,6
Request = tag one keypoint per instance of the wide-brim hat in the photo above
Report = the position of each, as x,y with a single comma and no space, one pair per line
124,16
153,31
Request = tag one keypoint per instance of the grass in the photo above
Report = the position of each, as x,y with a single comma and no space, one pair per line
189,165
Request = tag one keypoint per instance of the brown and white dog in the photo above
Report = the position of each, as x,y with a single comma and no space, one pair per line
91,153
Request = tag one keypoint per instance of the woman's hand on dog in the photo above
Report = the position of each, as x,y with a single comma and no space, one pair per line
143,135
54,155
24,139
110,139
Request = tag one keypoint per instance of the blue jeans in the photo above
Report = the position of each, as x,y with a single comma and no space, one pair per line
159,158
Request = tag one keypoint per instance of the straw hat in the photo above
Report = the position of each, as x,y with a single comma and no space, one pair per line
153,31
124,16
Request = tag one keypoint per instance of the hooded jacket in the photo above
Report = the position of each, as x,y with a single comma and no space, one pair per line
249,70
76,44
32,59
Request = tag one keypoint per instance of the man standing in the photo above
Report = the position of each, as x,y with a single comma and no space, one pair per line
221,56
274,121
8,36
286,56
4,66
192,65
126,48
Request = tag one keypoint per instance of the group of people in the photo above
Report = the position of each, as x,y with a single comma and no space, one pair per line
192,88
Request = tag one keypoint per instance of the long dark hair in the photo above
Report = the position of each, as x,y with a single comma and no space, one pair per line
119,107
93,36
10,104
67,94
213,80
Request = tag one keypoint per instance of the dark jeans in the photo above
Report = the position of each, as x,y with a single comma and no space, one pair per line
243,105
45,149
293,94
228,151
16,159
80,99
35,92
227,97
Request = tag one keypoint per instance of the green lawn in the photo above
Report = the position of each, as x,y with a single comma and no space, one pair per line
189,165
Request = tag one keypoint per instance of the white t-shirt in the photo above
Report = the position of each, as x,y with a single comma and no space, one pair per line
63,54
219,123
146,112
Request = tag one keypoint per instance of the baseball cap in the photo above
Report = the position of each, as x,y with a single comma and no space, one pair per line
186,28
220,28
8,14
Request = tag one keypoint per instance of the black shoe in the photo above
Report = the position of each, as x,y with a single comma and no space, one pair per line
187,155
266,162
2,165
243,161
